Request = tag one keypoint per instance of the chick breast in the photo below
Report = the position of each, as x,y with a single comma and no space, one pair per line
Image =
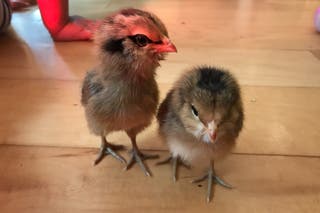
118,105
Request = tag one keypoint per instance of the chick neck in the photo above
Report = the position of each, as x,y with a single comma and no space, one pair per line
132,70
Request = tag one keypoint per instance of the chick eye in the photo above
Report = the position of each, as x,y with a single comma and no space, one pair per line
194,111
140,40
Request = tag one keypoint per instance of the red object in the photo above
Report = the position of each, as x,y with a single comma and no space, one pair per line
54,13
62,27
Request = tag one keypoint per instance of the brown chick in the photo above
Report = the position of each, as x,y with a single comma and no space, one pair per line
120,93
200,120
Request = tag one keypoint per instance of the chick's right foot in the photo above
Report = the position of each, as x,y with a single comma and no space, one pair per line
211,176
109,149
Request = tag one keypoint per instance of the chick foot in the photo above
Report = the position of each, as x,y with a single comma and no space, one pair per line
176,162
109,149
211,175
139,157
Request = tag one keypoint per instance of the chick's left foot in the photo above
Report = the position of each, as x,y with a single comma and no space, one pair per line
139,157
211,176
109,149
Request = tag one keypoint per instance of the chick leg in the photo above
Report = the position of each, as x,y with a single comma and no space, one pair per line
176,162
109,149
138,157
211,175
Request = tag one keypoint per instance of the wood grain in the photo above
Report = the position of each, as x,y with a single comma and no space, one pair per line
40,58
233,24
63,180
279,120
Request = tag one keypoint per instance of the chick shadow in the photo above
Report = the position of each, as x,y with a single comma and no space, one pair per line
16,53
18,72
17,64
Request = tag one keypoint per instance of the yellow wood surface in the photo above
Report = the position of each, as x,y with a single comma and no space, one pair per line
271,47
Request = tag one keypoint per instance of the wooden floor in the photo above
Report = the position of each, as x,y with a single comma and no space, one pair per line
46,151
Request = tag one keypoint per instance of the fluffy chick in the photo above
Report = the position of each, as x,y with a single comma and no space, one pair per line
200,119
120,93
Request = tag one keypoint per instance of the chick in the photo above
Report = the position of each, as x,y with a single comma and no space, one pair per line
200,120
120,93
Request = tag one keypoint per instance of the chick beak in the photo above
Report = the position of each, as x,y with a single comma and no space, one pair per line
165,47
212,131
213,136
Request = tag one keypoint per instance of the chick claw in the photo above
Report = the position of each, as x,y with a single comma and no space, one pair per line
109,149
139,157
212,176
176,161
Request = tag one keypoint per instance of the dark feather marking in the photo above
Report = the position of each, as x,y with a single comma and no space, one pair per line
212,79
89,88
113,45
94,88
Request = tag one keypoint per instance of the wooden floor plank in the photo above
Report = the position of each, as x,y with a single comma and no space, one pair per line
279,120
234,24
251,67
63,180
259,42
